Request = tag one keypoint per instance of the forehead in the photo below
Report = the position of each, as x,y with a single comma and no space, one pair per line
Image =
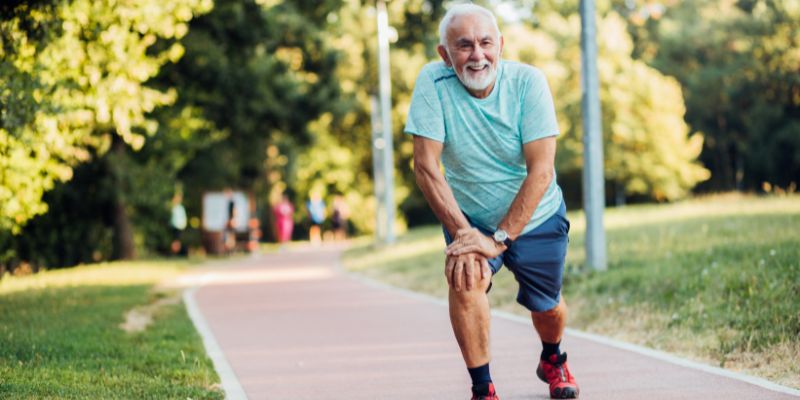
470,27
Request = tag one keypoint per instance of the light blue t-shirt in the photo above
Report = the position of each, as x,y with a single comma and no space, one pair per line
482,154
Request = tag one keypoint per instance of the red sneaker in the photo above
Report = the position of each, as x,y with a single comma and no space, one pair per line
484,392
555,372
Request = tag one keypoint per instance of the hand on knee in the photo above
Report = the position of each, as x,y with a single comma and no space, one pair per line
467,273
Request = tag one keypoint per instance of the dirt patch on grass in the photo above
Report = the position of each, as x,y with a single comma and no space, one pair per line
139,318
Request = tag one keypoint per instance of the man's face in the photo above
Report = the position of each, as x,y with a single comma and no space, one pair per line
473,50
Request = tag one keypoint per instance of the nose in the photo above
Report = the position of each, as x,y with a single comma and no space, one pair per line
477,53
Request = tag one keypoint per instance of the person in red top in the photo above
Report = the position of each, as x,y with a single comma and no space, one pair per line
284,219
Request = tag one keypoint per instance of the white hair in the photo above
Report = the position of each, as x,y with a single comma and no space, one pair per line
463,9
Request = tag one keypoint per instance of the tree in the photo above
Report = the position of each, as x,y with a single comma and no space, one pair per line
83,91
648,150
355,36
33,155
737,64
259,72
76,72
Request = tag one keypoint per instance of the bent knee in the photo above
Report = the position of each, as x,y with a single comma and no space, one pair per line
481,286
557,311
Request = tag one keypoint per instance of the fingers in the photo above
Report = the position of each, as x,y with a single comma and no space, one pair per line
469,272
472,241
473,248
463,272
486,270
448,270
458,274
457,245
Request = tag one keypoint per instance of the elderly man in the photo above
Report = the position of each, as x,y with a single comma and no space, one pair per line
493,125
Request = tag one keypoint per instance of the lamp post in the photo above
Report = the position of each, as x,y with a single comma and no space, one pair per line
593,181
377,168
385,91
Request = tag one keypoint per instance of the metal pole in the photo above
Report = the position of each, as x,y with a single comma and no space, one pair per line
386,117
377,167
593,181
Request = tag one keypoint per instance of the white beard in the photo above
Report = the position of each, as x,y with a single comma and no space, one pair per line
479,81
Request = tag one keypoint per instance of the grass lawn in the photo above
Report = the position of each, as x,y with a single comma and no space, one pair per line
714,279
60,336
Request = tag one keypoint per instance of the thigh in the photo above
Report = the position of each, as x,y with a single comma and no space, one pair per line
537,261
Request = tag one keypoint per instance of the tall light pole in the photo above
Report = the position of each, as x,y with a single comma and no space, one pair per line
377,168
593,181
385,90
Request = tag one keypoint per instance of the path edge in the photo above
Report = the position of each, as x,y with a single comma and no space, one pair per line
659,355
230,384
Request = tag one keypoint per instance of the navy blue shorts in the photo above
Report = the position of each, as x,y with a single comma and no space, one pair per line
537,261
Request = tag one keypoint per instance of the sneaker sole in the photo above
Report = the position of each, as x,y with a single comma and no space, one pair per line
565,393
559,393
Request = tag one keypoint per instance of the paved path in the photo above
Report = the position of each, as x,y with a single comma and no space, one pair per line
291,326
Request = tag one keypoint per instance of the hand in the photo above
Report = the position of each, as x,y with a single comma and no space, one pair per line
462,270
471,240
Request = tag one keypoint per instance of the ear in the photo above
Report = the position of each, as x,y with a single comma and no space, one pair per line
502,43
443,53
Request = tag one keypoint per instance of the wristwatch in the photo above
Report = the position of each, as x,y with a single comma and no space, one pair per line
501,236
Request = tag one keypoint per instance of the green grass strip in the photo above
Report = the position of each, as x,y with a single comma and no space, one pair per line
60,337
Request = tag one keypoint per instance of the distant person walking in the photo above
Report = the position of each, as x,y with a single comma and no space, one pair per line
283,212
177,223
229,234
339,215
492,123
316,215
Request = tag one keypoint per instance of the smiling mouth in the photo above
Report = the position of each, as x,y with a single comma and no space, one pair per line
477,69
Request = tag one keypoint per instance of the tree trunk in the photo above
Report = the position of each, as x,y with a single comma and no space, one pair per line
619,194
123,230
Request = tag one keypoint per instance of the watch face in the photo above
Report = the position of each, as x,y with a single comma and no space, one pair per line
500,235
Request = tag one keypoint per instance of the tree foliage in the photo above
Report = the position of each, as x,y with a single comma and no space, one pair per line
252,74
647,150
737,62
108,108
259,73
73,75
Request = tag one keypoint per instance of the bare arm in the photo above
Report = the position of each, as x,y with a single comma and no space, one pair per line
434,187
540,158
459,270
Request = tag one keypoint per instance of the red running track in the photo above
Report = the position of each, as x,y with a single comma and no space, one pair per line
292,326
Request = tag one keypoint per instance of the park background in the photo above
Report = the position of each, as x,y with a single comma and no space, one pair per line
110,107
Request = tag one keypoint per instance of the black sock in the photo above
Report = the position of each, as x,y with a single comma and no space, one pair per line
480,376
549,349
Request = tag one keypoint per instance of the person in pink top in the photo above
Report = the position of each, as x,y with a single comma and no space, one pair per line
284,222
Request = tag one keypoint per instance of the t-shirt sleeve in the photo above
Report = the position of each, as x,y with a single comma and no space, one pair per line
538,112
425,115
